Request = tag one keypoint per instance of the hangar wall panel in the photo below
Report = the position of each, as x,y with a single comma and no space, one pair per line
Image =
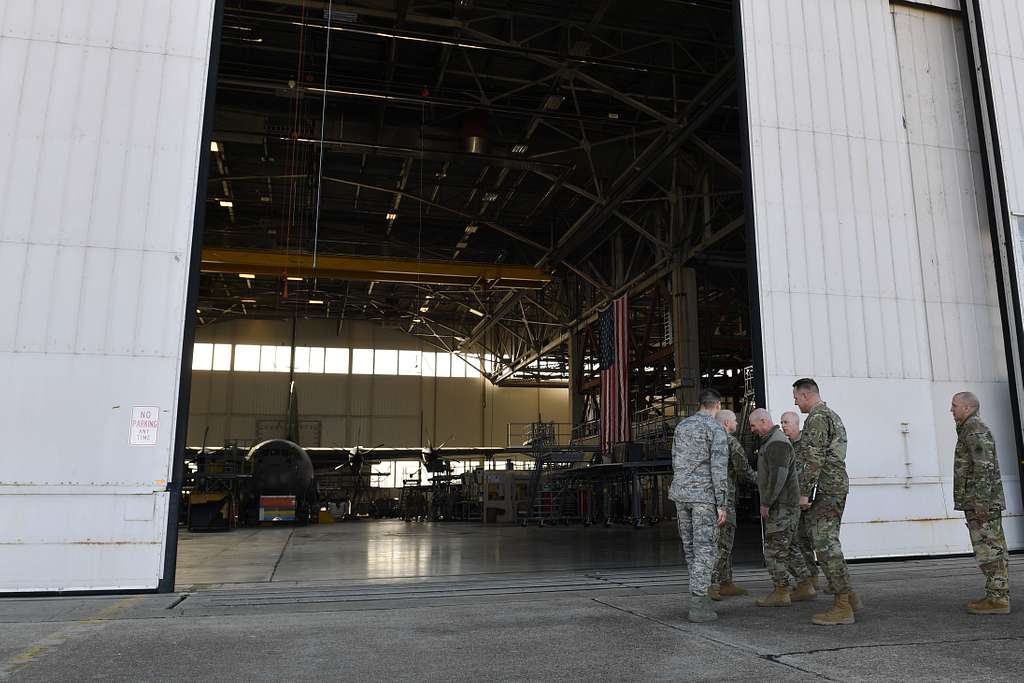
875,268
1003,24
100,136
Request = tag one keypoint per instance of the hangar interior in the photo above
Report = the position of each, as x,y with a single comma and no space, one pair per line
416,213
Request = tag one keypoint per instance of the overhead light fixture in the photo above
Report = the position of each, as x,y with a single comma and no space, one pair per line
294,279
391,215
417,320
428,297
424,309
248,301
214,146
472,228
519,149
490,196
461,245
199,312
315,301
553,102
613,116
476,312
226,203
247,276
342,16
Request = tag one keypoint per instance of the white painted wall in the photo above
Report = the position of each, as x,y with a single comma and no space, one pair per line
371,409
874,260
100,127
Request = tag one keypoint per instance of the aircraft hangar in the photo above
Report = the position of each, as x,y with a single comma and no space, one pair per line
303,290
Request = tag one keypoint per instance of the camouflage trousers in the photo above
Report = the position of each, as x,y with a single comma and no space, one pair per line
698,529
804,544
726,536
823,522
990,550
780,552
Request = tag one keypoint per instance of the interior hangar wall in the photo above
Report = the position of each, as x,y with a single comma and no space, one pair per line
100,132
358,409
874,260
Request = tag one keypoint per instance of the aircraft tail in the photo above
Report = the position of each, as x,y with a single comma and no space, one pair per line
293,414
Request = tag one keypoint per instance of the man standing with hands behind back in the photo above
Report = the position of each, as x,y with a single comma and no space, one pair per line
700,457
978,492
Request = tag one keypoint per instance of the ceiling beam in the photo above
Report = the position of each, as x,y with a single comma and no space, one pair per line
367,269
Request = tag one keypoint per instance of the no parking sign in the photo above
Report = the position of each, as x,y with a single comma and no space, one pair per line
145,424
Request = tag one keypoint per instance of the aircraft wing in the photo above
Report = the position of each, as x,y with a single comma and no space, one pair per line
405,452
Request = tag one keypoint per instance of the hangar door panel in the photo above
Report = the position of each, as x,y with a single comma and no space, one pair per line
874,264
100,145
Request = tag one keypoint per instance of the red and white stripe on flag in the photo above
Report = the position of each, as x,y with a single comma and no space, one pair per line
613,340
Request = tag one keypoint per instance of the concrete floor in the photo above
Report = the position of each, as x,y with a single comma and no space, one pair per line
388,549
601,624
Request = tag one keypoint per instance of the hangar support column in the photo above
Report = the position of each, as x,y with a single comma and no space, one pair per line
577,404
685,337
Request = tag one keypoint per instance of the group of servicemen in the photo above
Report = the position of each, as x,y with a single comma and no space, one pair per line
802,484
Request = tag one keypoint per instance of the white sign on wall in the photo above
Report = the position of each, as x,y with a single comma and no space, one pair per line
144,426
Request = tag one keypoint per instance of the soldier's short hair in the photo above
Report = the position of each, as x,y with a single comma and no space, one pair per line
790,415
806,383
724,416
709,397
968,399
760,414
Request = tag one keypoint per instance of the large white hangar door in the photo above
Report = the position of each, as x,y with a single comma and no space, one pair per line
874,258
100,130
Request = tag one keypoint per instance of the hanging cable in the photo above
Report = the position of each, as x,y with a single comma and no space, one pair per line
323,127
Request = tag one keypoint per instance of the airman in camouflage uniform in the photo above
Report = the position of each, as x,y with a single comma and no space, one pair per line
790,423
978,492
700,455
824,478
739,470
779,490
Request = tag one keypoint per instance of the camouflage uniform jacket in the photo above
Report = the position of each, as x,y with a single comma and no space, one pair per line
823,451
777,481
976,480
799,456
739,468
700,457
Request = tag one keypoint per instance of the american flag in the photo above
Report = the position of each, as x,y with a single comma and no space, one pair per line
613,338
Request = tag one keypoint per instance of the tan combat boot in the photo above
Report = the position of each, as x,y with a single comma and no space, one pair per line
714,593
989,606
728,589
855,604
839,613
805,590
779,597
